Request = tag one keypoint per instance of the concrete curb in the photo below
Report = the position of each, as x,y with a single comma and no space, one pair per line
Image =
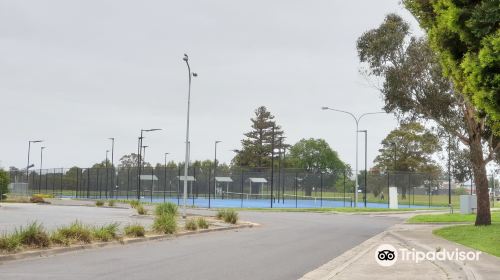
60,250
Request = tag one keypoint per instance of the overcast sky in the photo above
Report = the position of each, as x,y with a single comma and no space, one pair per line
74,73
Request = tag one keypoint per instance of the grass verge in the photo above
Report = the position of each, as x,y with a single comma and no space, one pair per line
450,218
134,230
484,238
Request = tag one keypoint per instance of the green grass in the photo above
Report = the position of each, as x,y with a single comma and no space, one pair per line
10,242
135,230
227,215
111,203
202,223
106,232
484,238
168,208
33,235
450,218
134,203
75,232
165,224
141,210
191,224
337,209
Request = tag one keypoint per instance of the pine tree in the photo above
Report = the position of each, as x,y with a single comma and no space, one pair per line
257,146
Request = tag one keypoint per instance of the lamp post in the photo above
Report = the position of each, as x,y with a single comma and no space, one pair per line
139,160
107,173
28,165
279,170
449,171
166,159
215,172
41,165
366,165
356,119
186,160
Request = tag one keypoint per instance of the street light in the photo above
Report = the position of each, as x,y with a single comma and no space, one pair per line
186,160
356,119
28,165
41,164
366,165
139,156
215,172
107,173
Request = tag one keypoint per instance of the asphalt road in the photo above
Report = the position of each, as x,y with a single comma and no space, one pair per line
286,246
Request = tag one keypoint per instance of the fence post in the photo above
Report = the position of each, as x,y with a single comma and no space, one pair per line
409,189
296,190
344,189
61,180
128,181
388,186
242,182
165,185
321,190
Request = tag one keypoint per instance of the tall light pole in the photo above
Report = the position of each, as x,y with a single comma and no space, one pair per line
366,160
166,154
186,159
139,160
41,165
28,165
107,173
215,172
356,119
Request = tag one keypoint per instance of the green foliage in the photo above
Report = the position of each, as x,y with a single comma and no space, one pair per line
99,203
33,235
191,224
58,238
466,36
227,215
10,242
76,231
141,210
202,223
106,232
257,146
220,214
315,155
413,150
167,208
165,224
134,203
135,230
4,183
111,203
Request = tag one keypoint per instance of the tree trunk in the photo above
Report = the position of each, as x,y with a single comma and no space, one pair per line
483,216
474,129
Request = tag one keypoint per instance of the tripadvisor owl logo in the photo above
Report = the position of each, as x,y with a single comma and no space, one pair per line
386,255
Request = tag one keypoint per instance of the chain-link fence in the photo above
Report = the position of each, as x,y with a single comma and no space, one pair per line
240,187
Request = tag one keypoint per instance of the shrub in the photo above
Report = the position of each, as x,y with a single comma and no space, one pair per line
165,224
191,224
134,203
33,235
221,213
37,199
168,208
99,203
77,232
111,203
57,238
106,232
231,216
135,230
141,210
202,223
10,243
